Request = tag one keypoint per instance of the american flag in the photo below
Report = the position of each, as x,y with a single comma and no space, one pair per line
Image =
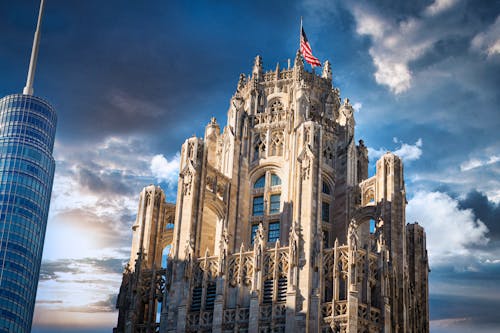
305,48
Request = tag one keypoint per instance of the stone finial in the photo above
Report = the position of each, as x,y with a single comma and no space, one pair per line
257,67
299,63
242,81
327,71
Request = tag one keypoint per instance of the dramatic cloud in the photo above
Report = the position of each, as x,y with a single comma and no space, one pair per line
126,100
451,231
405,151
164,170
488,42
486,210
397,43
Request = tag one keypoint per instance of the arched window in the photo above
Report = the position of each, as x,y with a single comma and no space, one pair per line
260,183
266,206
275,180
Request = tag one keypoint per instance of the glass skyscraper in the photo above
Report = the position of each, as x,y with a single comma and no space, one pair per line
27,130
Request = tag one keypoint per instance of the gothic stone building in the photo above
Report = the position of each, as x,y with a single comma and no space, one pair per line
277,226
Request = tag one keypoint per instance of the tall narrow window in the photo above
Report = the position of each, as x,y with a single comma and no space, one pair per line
326,188
210,297
325,211
274,232
196,299
275,204
254,232
282,286
258,206
267,296
266,201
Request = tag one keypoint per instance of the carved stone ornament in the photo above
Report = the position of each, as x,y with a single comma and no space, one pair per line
353,235
306,168
242,81
294,244
223,251
188,253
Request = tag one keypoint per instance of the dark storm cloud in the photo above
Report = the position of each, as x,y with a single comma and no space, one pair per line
485,210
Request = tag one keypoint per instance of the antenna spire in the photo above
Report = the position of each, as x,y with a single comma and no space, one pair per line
28,89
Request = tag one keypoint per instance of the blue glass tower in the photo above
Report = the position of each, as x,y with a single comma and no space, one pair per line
27,130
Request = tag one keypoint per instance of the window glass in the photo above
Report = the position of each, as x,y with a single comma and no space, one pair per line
258,206
260,182
275,204
326,188
254,231
275,180
274,232
325,212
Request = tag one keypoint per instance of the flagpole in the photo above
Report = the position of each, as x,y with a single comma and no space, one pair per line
300,32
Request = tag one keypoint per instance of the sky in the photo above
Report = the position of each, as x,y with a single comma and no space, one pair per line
131,80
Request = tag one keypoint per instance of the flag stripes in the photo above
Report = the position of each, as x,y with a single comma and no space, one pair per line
305,49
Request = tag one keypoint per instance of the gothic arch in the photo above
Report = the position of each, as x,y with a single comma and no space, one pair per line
328,178
366,213
213,215
262,169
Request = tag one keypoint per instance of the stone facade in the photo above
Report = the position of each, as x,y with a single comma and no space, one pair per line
277,226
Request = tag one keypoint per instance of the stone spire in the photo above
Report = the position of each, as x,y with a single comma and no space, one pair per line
299,63
257,67
327,71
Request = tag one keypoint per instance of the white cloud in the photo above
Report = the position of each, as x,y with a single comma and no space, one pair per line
397,43
165,170
450,230
439,6
488,42
474,163
410,152
357,106
405,151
